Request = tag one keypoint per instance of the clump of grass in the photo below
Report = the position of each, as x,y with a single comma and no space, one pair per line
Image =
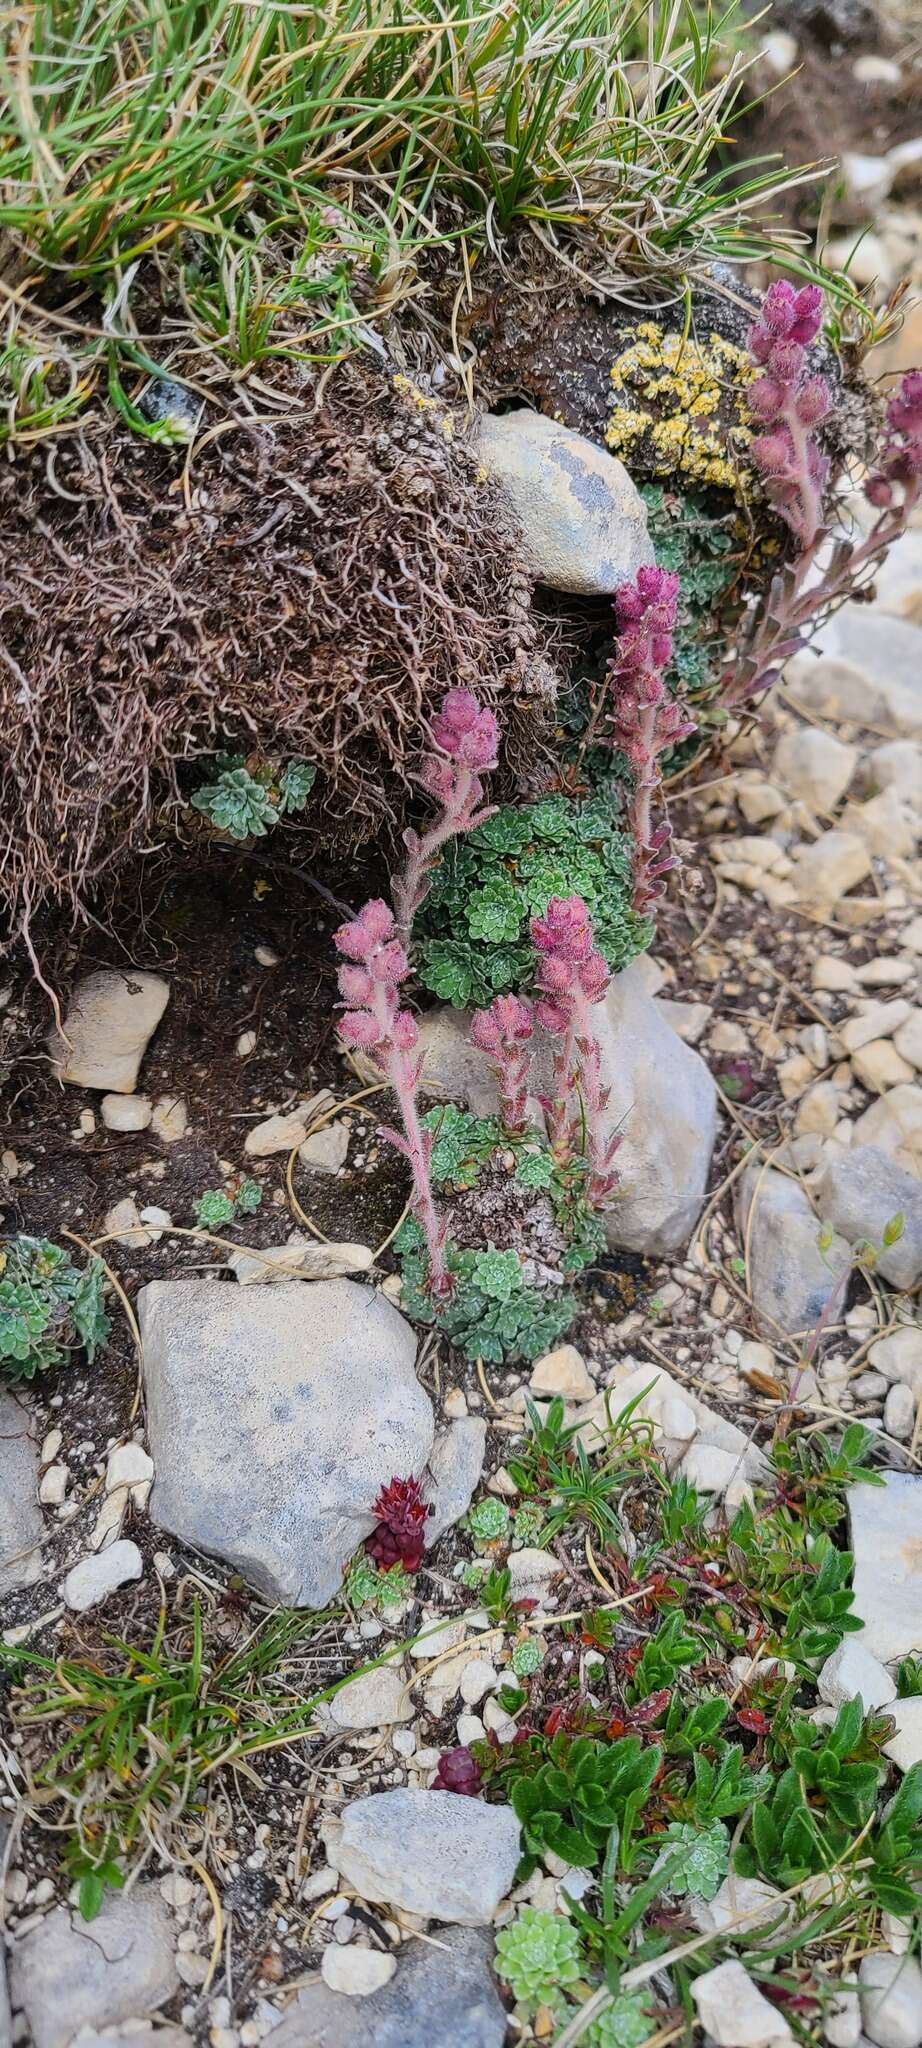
145,1729
274,182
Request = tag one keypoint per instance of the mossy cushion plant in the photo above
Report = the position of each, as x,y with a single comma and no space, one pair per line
473,930
48,1307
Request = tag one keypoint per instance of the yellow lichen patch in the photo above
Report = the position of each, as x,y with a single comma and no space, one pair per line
679,403
405,388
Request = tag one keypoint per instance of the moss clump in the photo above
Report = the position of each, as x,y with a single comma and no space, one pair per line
679,408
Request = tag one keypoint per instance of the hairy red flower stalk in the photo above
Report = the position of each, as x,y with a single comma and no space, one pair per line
369,979
401,1514
465,737
790,403
794,604
641,718
504,1032
573,978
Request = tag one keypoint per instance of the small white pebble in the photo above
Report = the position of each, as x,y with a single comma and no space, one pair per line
246,1044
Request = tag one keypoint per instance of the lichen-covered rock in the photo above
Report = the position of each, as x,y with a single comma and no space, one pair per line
275,1415
584,524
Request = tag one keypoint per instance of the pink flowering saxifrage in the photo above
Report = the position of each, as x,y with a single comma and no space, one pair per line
504,1032
374,966
572,977
466,738
790,403
642,719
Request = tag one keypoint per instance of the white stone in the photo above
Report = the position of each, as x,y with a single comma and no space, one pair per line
814,766
302,1257
900,1413
733,2011
890,826
886,1541
689,1020
454,1469
583,522
110,1019
429,1852
818,1110
894,1123
126,1112
477,1678
375,1699
53,1485
824,872
852,1673
860,1192
563,1371
899,1357
868,666
530,1572
898,765
878,1066
94,1578
873,1020
741,1899
908,1040
276,1134
886,973
169,1119
905,1747
890,1991
867,179
123,1220
128,1465
838,976
792,1278
355,1969
326,1150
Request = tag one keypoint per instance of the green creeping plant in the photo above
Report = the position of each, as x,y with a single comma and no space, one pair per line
48,1307
569,1791
824,1797
473,929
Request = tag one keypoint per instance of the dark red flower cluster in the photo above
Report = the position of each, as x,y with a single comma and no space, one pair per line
457,1772
401,1515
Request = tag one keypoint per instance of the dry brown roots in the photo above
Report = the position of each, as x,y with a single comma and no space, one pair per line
307,588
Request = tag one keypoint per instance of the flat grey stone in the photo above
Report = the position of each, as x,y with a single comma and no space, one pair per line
792,1279
890,1991
859,1191
455,1466
110,1018
663,1100
436,1853
886,1542
69,1973
583,522
441,1997
21,1523
275,1415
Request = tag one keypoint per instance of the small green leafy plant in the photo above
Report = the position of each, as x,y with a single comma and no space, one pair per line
49,1307
245,802
491,1312
217,1206
822,1799
571,1791
473,929
538,1956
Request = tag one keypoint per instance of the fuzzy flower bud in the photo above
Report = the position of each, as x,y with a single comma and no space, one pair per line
466,731
790,402
374,924
503,1032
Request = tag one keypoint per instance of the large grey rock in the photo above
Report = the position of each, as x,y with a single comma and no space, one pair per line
455,1465
429,1852
583,522
869,670
110,1019
792,1279
68,1973
21,1523
275,1415
663,1099
859,1191
441,1997
886,1542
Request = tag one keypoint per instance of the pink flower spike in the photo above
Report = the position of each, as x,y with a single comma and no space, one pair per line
503,1032
467,736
